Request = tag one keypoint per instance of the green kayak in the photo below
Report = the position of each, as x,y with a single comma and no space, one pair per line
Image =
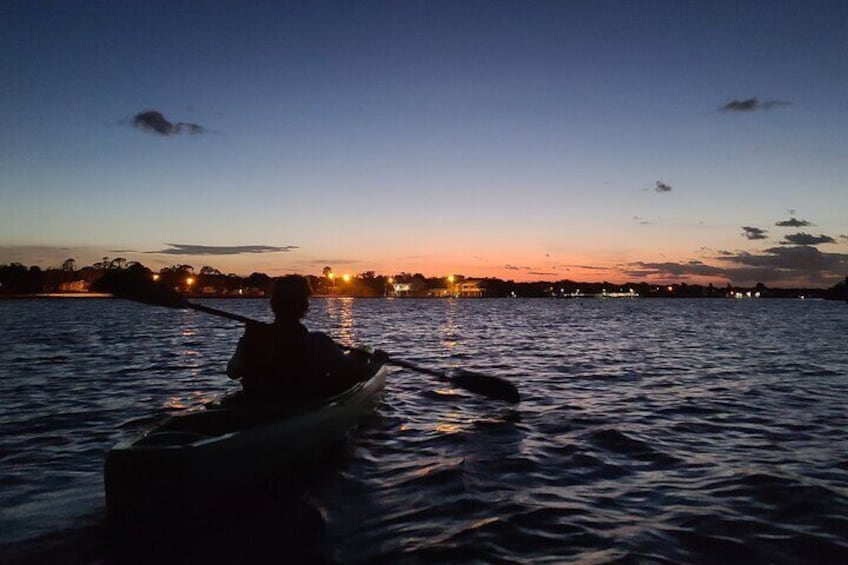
228,445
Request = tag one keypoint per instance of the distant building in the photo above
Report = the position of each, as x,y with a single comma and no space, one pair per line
401,289
469,288
74,286
438,292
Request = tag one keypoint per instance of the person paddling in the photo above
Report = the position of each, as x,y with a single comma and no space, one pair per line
284,362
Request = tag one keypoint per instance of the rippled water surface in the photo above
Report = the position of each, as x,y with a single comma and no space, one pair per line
649,431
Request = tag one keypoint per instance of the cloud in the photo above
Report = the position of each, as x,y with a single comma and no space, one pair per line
845,237
590,268
673,270
793,223
662,187
512,268
802,238
542,273
155,122
801,265
752,105
188,249
754,233
785,263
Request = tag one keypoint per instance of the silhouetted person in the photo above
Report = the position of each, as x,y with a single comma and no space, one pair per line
285,362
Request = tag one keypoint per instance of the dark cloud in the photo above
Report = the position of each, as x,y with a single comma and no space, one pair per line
673,270
512,268
793,223
802,238
782,263
754,233
662,187
542,273
155,122
187,249
752,105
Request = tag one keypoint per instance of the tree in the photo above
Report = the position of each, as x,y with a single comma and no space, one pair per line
69,265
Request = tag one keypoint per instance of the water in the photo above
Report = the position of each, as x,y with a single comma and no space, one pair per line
650,431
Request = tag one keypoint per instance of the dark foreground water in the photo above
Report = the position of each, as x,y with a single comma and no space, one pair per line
650,431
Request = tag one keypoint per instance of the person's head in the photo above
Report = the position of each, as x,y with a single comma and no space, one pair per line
290,297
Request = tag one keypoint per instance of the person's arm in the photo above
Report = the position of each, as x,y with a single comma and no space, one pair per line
235,366
330,357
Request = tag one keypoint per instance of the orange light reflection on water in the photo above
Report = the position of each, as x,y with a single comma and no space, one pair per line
340,312
175,403
450,329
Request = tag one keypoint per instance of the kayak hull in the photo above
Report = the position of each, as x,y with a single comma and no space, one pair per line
173,467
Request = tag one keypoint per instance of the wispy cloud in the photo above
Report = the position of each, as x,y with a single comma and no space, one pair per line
754,233
662,187
154,122
802,238
793,223
189,249
752,105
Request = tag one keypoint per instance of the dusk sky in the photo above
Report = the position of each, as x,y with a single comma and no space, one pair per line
667,141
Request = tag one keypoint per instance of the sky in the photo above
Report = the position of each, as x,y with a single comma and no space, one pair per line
660,141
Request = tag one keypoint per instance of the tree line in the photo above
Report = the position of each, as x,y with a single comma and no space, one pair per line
17,279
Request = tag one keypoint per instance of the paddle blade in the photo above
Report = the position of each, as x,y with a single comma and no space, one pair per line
486,385
140,287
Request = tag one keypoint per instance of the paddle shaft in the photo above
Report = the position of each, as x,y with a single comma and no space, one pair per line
487,385
391,360
125,284
220,313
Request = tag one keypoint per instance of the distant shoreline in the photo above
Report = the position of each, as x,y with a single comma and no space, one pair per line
809,295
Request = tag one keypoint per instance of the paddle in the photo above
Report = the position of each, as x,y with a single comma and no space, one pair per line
141,288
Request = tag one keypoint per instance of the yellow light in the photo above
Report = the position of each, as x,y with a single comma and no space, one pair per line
190,281
450,279
346,277
331,276
155,277
391,280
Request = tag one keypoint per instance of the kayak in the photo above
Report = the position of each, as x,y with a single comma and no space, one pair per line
229,444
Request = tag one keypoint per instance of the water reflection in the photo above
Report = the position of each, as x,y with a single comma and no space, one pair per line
628,416
450,328
340,314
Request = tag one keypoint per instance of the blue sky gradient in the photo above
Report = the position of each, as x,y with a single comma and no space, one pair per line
515,139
